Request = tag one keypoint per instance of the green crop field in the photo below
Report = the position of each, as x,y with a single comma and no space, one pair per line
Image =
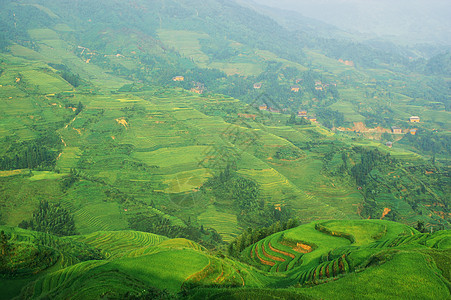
187,42
225,223
119,179
313,254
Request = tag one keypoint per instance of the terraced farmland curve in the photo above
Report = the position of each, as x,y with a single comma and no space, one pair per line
273,255
304,251
121,243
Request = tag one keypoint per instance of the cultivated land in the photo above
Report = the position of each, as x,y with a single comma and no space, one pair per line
323,258
159,175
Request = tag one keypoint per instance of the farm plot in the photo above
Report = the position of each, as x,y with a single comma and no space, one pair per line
186,181
225,223
68,158
187,42
276,256
173,160
166,270
46,83
120,243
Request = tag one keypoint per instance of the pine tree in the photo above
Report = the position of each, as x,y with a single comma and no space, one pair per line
4,247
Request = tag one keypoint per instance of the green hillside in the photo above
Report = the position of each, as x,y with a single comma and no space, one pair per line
170,149
320,259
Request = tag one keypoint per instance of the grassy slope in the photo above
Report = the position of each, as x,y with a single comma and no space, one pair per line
171,124
172,134
131,261
134,261
157,140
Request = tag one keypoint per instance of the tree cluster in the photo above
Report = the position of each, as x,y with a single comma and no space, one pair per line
369,158
229,185
253,235
51,218
162,226
28,155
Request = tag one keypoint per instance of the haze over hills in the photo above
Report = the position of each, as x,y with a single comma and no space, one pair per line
188,149
405,22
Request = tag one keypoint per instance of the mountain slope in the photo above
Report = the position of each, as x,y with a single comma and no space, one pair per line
166,128
337,257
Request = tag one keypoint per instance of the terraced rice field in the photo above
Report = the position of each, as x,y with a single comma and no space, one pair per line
58,279
45,82
172,159
69,158
45,175
305,252
187,42
121,243
100,216
225,223
186,181
165,269
274,254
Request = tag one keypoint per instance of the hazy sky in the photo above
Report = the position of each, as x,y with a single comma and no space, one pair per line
416,20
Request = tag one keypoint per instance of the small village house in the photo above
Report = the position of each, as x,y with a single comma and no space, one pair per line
295,88
389,144
312,119
299,80
257,85
263,107
415,119
396,130
178,78
302,113
413,131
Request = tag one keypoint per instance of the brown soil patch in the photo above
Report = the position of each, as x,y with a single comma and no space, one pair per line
302,248
265,262
220,278
298,247
271,256
280,251
361,127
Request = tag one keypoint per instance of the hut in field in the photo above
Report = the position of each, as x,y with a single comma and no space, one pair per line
414,119
396,130
178,78
389,144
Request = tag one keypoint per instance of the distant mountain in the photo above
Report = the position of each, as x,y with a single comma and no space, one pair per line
404,22
177,145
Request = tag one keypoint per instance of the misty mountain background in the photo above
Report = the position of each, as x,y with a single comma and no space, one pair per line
404,22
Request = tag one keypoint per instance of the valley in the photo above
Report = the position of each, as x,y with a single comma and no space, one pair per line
149,151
